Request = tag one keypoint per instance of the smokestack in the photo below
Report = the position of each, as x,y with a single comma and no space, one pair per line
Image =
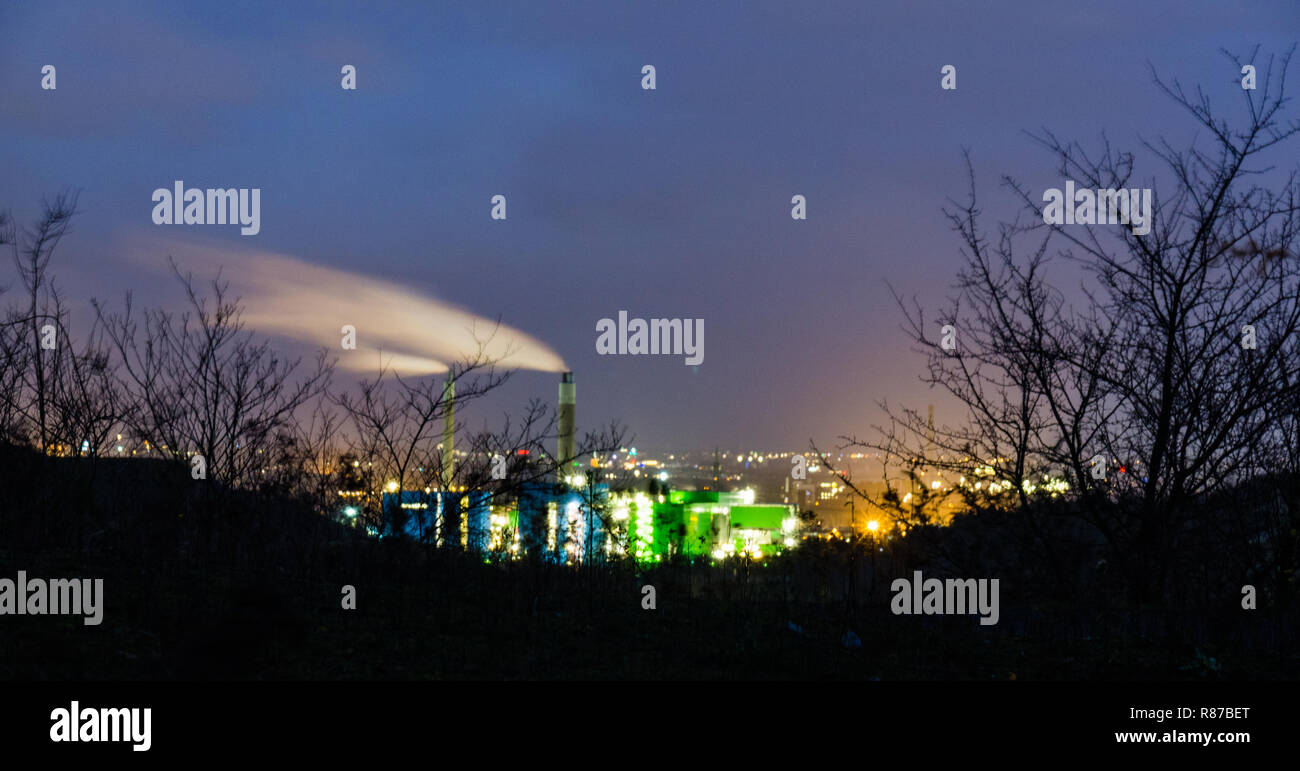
449,434
568,406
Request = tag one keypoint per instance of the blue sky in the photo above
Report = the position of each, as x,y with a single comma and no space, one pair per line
672,203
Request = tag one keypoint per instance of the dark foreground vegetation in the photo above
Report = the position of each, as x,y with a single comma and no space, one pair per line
215,585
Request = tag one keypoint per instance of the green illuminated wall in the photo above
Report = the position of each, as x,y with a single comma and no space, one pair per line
758,517
698,523
698,533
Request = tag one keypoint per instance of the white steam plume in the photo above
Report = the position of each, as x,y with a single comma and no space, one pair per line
410,332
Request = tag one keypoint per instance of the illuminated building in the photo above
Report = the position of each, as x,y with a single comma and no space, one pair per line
572,525
566,519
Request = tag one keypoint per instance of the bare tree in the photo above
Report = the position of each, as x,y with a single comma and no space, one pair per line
314,468
1173,379
86,402
397,423
32,250
199,382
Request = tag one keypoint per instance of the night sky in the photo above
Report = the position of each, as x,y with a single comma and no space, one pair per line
668,203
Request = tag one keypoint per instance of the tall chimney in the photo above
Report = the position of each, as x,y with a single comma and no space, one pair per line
449,434
568,406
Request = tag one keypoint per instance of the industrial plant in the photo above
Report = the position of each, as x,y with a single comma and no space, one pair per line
569,513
